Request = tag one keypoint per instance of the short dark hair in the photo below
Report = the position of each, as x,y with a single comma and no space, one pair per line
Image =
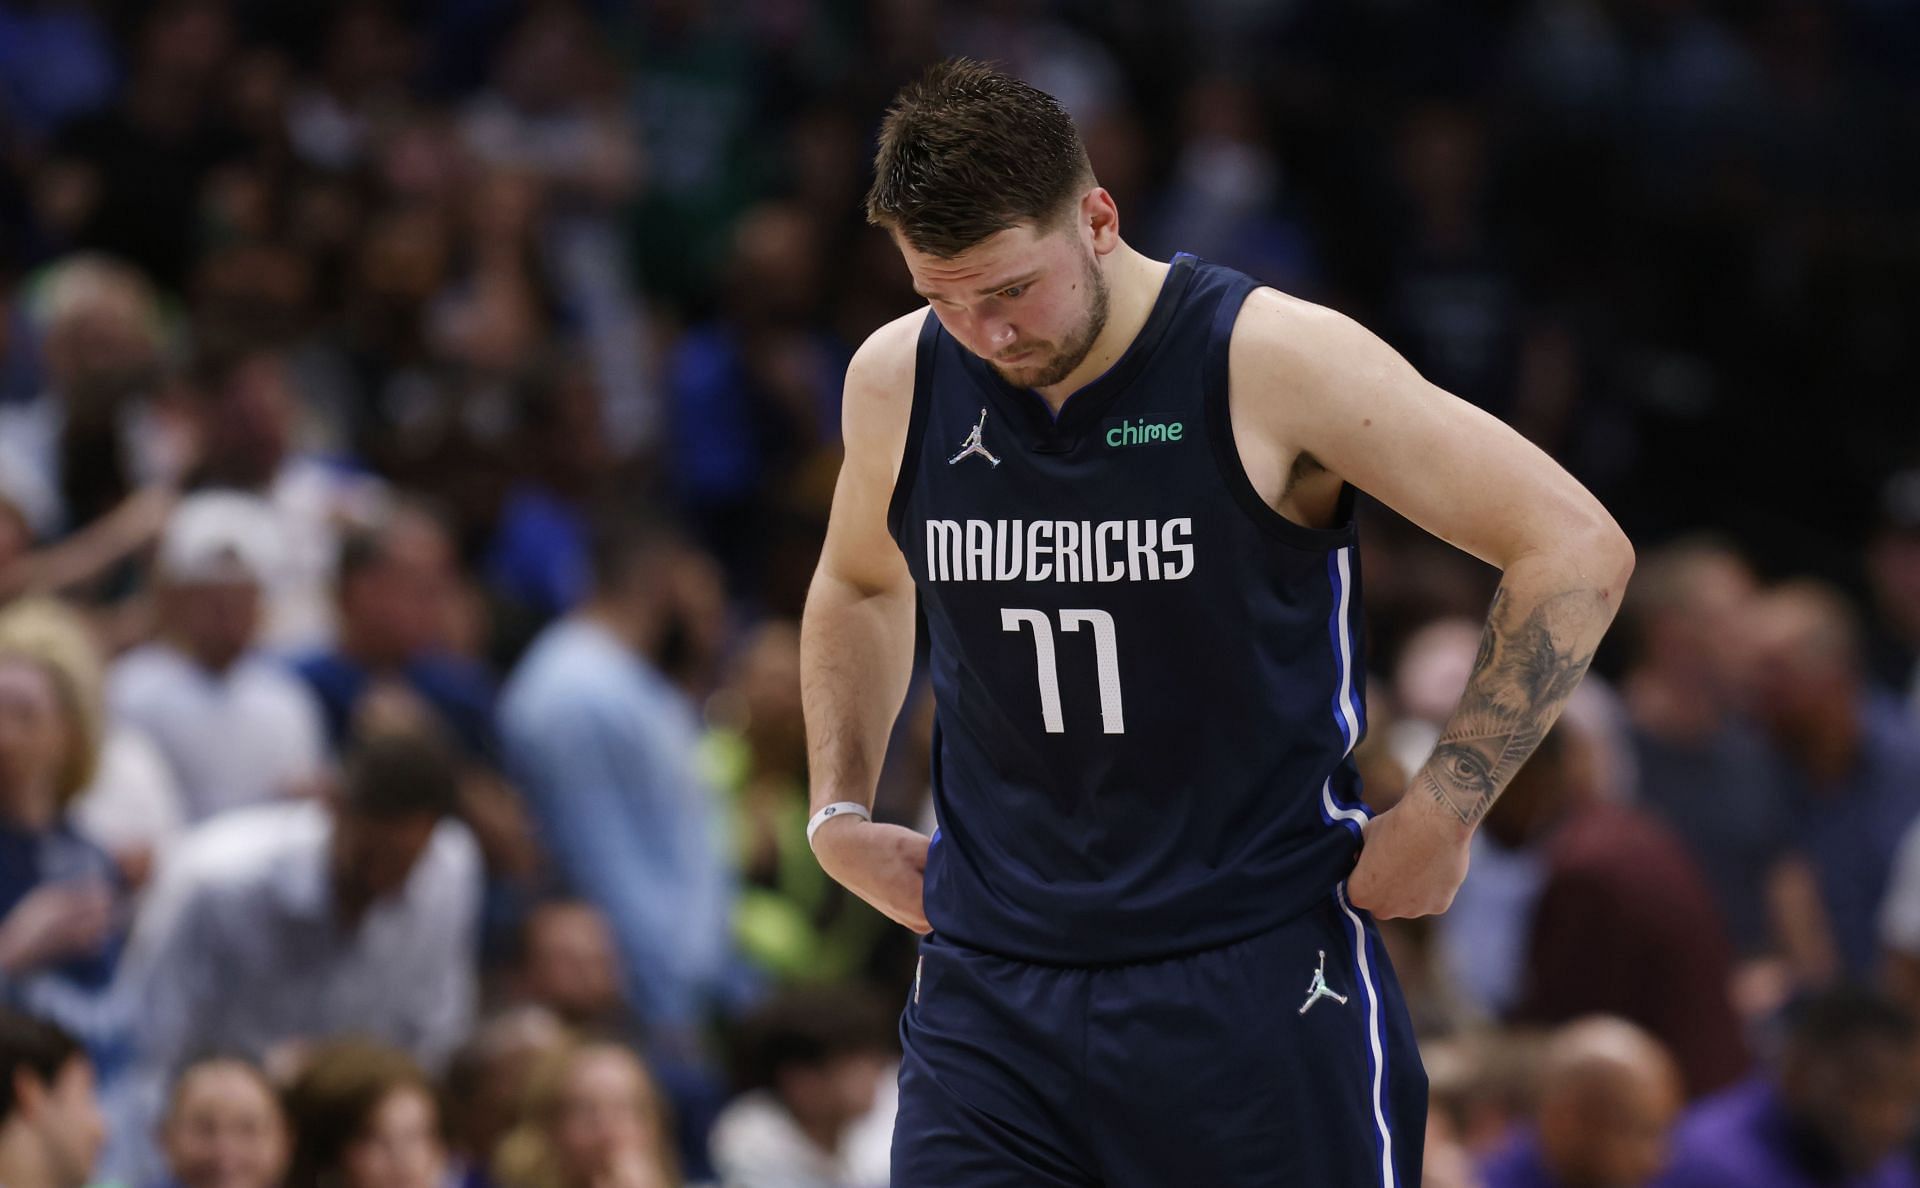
30,1045
808,1027
1834,1022
364,546
968,151
220,355
519,946
623,541
402,773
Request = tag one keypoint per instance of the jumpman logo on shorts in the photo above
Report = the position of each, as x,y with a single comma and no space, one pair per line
1319,988
972,444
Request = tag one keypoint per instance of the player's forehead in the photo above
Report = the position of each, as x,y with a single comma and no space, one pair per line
1003,258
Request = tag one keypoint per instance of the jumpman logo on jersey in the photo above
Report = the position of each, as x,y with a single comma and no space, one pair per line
972,444
1319,988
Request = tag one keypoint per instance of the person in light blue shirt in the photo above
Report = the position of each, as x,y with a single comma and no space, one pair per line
604,747
1852,778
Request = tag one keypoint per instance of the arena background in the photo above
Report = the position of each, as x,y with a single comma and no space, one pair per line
384,323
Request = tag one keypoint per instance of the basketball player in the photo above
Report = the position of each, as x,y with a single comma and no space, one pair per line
1122,490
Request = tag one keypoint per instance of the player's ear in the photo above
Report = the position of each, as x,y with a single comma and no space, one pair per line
1101,217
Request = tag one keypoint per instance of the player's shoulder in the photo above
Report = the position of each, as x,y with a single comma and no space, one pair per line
1277,326
878,398
885,361
1312,353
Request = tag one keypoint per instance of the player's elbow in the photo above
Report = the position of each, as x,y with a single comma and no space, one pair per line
1607,556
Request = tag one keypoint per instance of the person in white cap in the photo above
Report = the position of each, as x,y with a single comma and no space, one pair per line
236,727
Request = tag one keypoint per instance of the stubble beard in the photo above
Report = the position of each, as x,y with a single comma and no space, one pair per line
1074,351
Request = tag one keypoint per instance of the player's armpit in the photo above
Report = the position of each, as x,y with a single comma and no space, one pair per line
1306,380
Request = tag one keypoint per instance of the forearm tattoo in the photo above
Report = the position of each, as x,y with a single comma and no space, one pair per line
1526,668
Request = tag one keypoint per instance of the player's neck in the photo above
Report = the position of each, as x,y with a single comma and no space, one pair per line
1133,286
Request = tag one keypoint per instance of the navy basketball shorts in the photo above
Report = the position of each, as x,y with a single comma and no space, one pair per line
1282,1061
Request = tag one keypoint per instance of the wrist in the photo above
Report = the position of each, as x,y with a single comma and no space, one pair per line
1438,809
831,825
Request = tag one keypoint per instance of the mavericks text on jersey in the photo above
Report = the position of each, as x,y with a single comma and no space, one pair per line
1147,681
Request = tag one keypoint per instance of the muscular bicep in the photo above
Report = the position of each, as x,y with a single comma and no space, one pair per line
1318,385
875,411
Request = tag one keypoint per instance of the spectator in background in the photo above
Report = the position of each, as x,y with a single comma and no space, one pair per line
554,113
1451,294
236,728
1444,1162
225,1128
364,57
56,61
1227,199
1835,1112
593,1118
1625,924
811,1064
57,890
537,561
604,746
1704,769
755,392
1900,925
1433,667
50,1125
396,586
1484,1083
16,538
364,1116
1854,758
393,665
791,921
486,1082
134,169
1609,1094
95,436
247,411
1893,567
277,926
569,965
127,803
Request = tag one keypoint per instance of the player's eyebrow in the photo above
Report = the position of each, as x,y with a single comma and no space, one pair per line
1023,279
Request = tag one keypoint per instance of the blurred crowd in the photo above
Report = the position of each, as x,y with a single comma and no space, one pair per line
417,424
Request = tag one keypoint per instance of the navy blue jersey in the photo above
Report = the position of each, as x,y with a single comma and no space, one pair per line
1148,683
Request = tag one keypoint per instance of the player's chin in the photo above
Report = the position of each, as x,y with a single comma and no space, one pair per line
1032,370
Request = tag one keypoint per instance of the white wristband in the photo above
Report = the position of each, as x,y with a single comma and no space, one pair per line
833,810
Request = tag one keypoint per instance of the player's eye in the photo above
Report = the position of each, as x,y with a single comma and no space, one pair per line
1013,291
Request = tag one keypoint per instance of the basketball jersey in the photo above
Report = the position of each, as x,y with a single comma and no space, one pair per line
1147,682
